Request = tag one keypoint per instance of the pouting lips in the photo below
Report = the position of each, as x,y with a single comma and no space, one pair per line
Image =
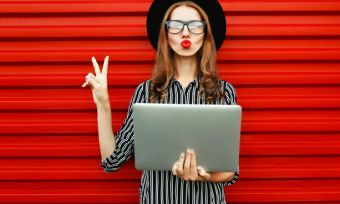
186,43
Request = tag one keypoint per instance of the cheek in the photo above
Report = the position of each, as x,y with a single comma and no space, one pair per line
199,41
172,40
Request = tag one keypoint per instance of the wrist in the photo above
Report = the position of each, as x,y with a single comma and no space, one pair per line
200,178
204,178
104,105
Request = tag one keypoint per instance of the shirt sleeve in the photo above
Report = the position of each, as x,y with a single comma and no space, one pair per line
124,137
234,179
230,93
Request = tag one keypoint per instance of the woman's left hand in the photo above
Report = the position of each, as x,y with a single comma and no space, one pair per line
187,169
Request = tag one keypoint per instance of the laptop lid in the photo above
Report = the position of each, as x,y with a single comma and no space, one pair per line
163,131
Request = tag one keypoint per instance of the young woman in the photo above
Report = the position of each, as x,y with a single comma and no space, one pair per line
184,72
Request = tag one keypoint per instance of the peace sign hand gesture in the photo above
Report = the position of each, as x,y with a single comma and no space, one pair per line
98,83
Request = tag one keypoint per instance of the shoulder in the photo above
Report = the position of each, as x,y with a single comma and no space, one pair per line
144,85
229,90
141,91
141,85
227,86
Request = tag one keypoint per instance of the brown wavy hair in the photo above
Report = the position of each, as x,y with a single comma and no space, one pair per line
164,68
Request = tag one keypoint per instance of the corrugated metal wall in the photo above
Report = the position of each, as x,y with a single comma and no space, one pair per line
282,57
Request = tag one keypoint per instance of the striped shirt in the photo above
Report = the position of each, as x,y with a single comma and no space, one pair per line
158,187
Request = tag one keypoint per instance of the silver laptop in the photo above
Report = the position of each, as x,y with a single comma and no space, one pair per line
163,131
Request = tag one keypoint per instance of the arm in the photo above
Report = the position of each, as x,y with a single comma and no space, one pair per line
107,141
221,176
122,147
114,151
231,177
227,178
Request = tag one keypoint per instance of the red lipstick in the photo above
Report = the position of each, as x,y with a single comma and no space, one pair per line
186,44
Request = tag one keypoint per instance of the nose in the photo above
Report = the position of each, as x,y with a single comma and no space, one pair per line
185,30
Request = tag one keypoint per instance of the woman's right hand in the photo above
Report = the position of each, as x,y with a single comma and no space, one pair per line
98,83
186,168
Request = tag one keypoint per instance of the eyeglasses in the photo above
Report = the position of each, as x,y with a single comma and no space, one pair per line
177,26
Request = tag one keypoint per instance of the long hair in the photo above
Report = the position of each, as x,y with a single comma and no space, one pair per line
164,68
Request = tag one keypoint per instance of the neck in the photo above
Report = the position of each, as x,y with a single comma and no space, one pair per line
186,68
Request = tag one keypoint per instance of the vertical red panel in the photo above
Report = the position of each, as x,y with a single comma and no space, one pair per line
282,57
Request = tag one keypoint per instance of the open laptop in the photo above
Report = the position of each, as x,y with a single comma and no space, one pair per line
163,131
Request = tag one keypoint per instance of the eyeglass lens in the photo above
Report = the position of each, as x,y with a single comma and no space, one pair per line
196,27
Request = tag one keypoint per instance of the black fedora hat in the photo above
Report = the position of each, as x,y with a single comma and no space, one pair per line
212,8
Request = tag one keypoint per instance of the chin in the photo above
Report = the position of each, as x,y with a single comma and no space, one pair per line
186,53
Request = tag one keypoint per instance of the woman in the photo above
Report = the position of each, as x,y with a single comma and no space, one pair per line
184,72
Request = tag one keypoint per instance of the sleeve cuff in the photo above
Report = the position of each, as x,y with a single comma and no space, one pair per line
113,162
232,181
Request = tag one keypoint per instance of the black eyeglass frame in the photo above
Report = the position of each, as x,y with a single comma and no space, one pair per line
186,23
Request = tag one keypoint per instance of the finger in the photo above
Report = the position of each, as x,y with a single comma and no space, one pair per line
89,75
187,164
105,66
180,165
174,169
203,173
193,165
95,65
92,76
92,82
84,84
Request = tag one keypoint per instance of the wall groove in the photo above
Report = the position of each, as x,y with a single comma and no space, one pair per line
281,56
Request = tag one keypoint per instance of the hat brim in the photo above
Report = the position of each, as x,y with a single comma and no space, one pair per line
212,8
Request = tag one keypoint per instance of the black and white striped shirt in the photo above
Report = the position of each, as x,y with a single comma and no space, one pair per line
158,187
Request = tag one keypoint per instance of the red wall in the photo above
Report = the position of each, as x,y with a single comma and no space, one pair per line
282,57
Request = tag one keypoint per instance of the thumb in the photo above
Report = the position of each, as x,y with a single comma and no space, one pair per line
203,173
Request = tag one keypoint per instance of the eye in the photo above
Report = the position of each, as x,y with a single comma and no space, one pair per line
175,24
196,25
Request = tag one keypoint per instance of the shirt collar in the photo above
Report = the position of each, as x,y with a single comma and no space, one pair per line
195,82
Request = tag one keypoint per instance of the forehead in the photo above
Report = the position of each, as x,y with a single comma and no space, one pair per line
185,13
